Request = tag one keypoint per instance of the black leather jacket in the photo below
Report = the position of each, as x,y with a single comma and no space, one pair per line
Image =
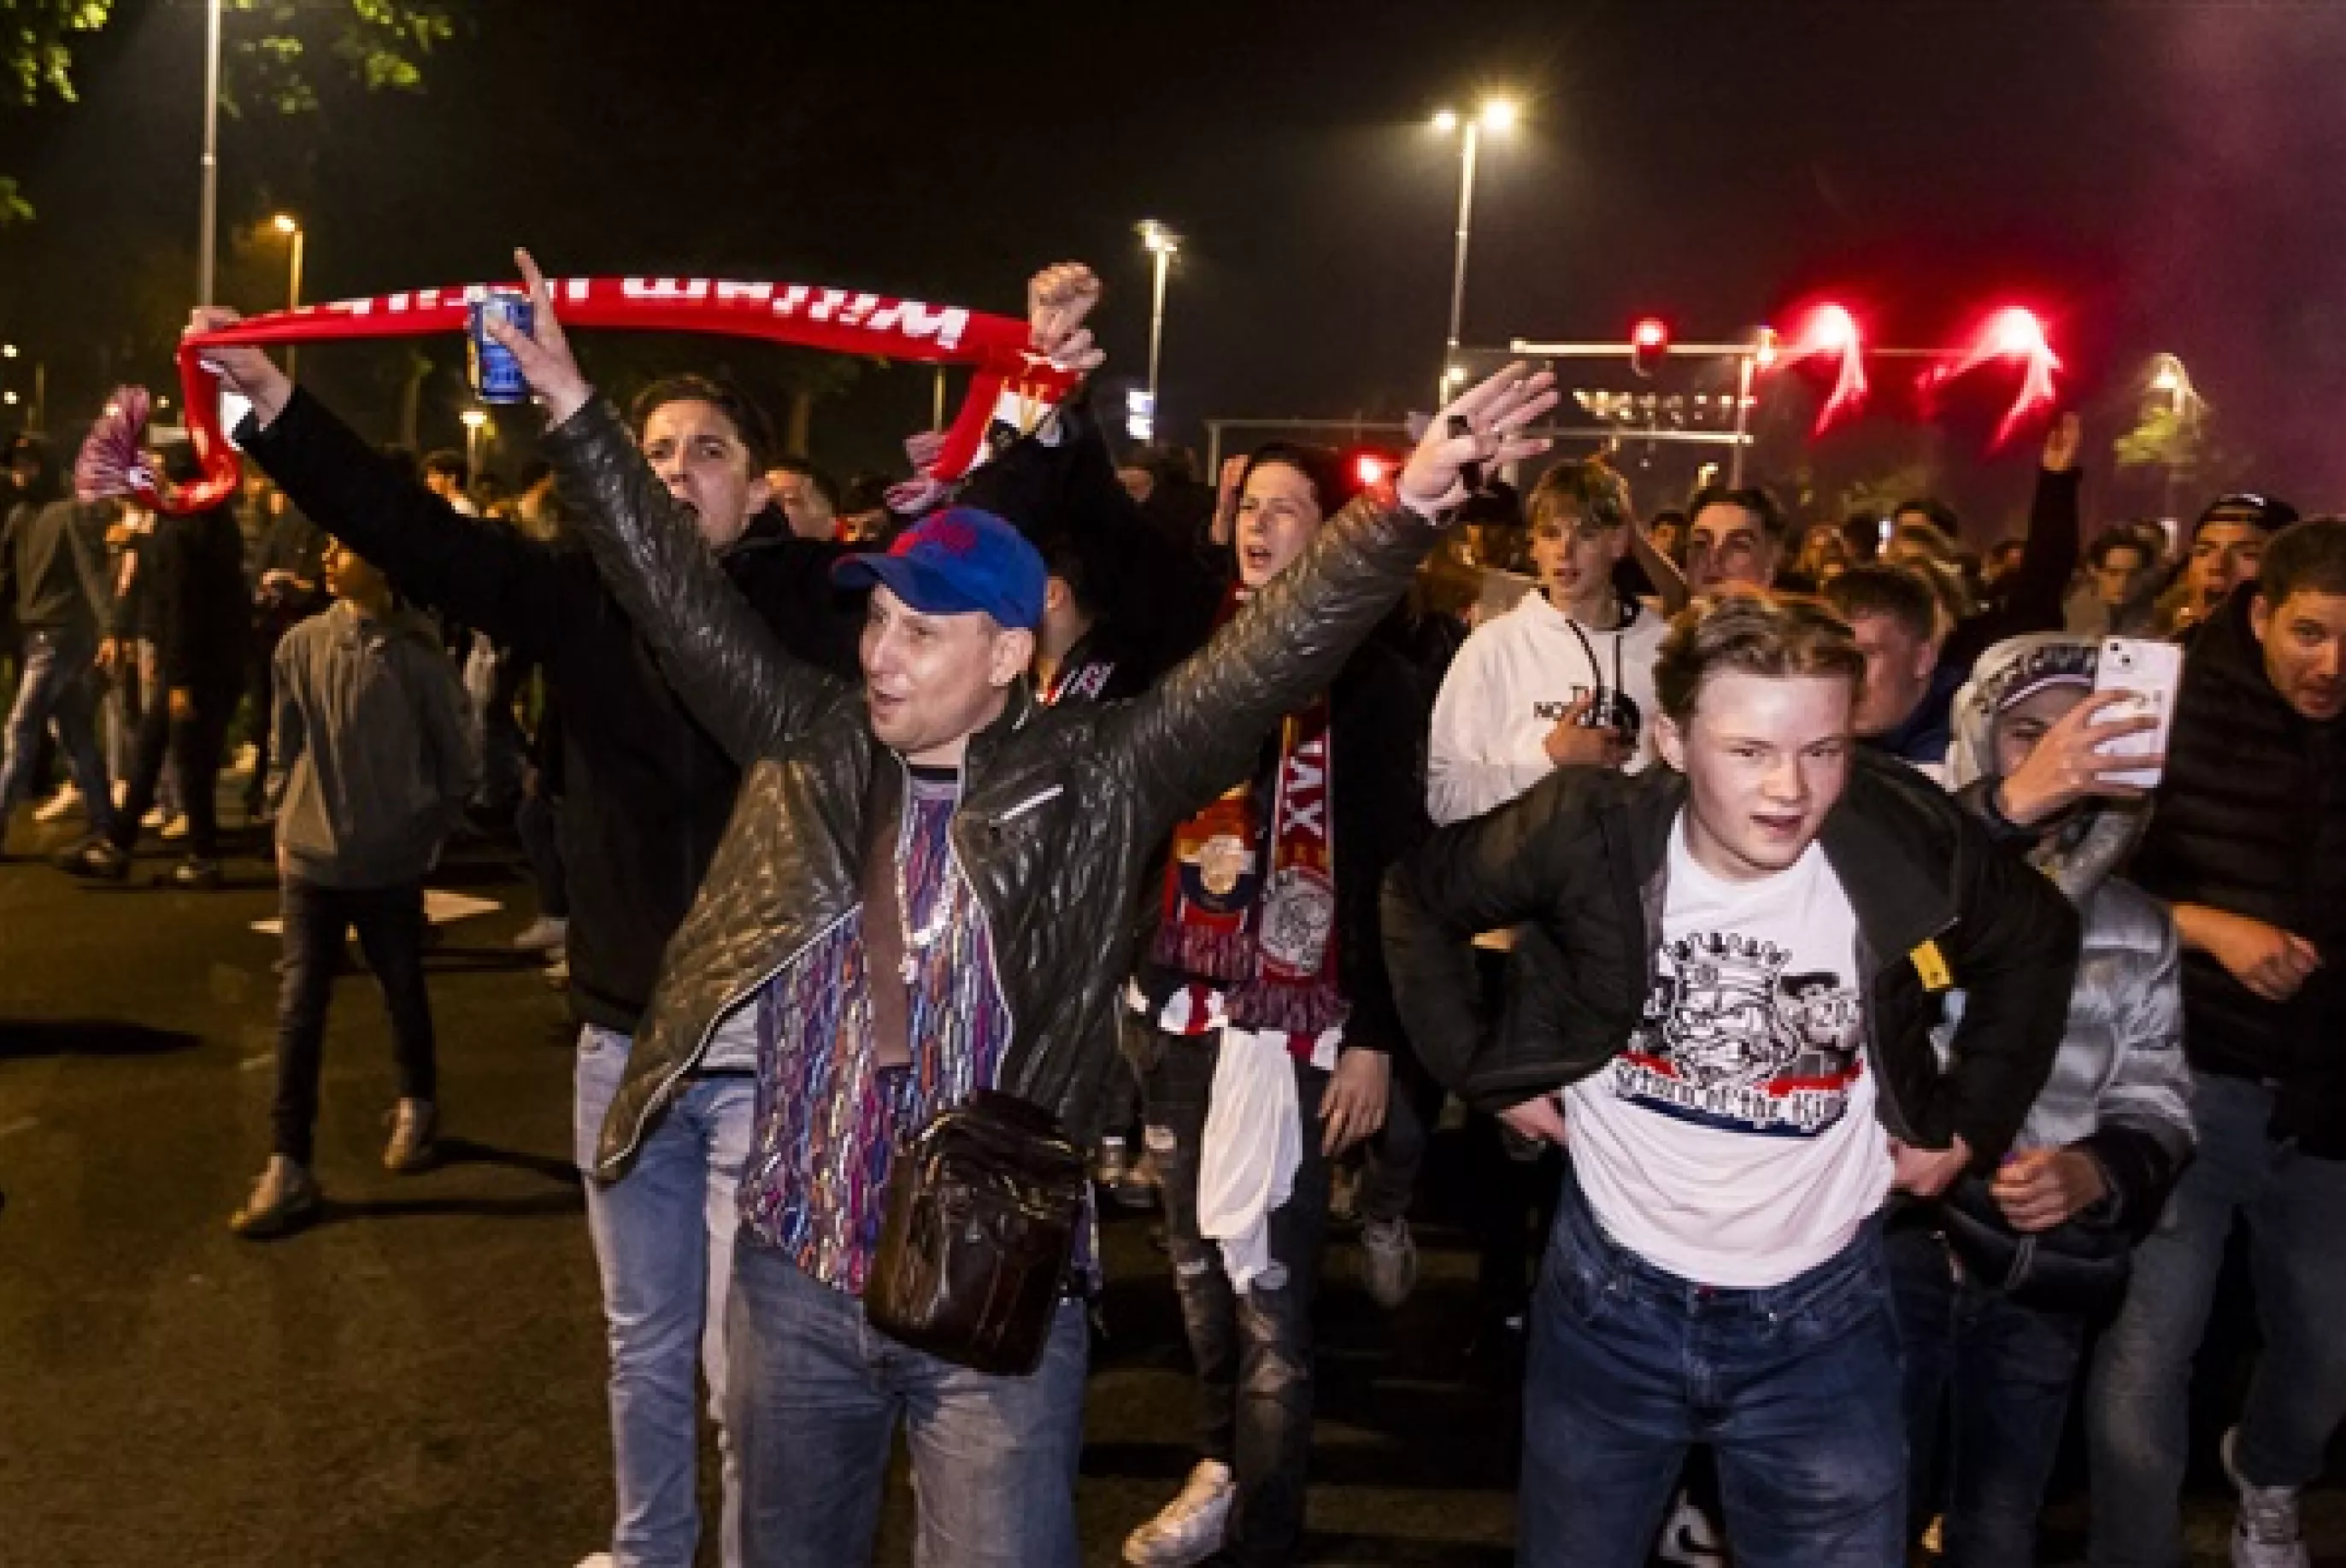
1580,866
1059,810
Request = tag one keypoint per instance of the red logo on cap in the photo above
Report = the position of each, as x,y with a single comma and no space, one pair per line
948,533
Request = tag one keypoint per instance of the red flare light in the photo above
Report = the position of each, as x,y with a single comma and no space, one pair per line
1829,331
2011,332
1371,469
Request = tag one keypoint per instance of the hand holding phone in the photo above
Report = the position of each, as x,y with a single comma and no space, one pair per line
2148,674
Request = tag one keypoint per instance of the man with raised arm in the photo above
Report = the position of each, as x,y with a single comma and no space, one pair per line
1018,834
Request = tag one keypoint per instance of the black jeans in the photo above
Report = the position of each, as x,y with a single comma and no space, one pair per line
389,923
541,845
191,745
1988,1390
1253,1352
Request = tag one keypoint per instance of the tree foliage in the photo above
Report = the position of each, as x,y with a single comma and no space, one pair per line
273,50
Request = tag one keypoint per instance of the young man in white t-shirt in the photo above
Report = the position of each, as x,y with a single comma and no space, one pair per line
1567,676
1720,1002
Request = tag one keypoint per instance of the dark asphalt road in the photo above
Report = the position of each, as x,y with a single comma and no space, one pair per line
417,1380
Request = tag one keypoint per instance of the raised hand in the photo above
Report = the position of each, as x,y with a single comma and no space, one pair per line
544,352
247,372
1494,414
2070,763
2061,443
1058,299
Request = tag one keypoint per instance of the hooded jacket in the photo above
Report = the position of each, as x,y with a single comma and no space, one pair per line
2120,1088
2250,819
1059,808
1579,865
647,791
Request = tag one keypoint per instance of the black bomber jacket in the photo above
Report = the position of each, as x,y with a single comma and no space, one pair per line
1059,810
1579,865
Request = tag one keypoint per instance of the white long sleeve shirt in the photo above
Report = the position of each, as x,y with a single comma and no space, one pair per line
1509,684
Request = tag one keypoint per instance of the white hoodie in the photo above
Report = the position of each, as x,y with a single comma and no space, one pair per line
1510,683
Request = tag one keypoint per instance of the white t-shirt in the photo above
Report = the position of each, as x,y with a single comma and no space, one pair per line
1510,682
1734,1144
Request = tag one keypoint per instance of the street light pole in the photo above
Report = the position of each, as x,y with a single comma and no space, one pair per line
1163,245
285,223
208,224
1497,114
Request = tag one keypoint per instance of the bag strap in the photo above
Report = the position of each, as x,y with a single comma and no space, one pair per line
883,923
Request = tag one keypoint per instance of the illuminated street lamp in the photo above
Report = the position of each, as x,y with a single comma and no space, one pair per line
2169,378
1162,245
1498,115
208,216
286,224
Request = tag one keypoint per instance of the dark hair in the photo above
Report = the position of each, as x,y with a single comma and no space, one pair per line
1670,516
446,464
1587,489
1750,498
747,420
824,484
47,484
2125,536
1752,633
1065,557
535,469
2309,555
1872,589
1330,486
1942,515
863,493
400,460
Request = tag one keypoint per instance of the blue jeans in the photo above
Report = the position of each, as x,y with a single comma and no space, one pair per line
2139,1407
1795,1387
664,1246
815,1399
1987,1390
57,685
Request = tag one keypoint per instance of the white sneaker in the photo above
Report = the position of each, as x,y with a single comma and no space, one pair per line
64,803
1190,1529
543,934
599,1560
2265,1533
175,827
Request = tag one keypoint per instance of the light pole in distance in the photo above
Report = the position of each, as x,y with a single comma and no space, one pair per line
1496,115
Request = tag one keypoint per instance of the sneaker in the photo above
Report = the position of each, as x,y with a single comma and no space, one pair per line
1388,1261
65,803
284,1197
194,876
2267,1533
172,828
413,1126
95,858
557,971
599,1560
543,934
1190,1529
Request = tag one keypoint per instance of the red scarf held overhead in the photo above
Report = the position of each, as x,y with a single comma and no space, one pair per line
1009,381
1267,933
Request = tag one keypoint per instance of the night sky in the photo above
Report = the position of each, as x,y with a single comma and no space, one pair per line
2152,177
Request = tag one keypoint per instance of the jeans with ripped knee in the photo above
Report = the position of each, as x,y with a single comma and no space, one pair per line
1253,1352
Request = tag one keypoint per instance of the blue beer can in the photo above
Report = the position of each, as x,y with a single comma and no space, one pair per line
496,374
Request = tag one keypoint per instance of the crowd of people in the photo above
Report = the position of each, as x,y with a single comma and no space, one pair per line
1857,1056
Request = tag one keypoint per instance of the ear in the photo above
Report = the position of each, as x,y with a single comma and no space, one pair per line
1013,652
2260,616
1055,594
1670,741
760,495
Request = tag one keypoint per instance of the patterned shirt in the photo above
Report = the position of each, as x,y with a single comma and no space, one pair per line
827,1122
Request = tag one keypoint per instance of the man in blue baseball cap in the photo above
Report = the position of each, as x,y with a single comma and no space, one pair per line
940,846
954,606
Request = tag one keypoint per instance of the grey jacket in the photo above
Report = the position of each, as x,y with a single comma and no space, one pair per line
2120,1088
374,755
1061,807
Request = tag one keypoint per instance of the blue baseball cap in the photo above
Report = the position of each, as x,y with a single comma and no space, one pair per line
955,561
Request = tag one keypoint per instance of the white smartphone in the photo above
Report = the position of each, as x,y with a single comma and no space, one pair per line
2150,673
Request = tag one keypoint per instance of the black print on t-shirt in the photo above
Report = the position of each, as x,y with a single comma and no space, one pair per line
1729,1039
